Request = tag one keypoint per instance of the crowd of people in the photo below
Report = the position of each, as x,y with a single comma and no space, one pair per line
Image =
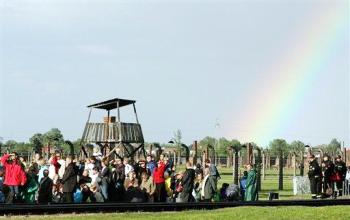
99,179
327,179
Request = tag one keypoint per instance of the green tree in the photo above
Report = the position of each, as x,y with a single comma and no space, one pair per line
76,145
53,137
278,145
235,143
19,147
23,148
333,147
222,145
297,147
225,144
177,139
37,141
10,145
207,141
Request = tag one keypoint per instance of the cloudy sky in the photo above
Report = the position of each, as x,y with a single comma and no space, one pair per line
189,64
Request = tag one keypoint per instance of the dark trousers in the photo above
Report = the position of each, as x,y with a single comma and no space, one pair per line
160,193
88,195
44,198
68,197
340,187
315,186
104,190
186,196
328,184
14,195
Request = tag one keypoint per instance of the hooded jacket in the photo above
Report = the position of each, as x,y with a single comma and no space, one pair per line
14,173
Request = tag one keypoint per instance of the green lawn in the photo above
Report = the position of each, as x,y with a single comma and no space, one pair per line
270,184
241,213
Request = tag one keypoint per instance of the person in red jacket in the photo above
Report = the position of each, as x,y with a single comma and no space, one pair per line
158,177
14,174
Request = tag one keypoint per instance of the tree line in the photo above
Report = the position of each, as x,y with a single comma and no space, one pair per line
51,138
55,138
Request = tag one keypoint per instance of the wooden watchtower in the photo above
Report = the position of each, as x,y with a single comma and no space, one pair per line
113,135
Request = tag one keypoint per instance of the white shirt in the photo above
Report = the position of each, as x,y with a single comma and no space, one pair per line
203,185
90,167
128,169
347,177
62,168
94,178
52,171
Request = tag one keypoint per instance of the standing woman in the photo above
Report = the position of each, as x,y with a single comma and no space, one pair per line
158,177
198,184
251,192
327,173
147,186
31,186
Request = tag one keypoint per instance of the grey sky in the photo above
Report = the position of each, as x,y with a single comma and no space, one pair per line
187,63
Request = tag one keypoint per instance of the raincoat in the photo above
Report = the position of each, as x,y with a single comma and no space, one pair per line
251,191
30,188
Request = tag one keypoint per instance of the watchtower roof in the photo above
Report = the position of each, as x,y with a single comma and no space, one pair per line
112,104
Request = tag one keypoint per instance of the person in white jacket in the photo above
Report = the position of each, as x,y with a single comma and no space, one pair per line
347,181
62,167
128,168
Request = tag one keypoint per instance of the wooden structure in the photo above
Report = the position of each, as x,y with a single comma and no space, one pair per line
113,135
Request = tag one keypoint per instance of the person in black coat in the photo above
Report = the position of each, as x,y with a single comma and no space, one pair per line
327,173
69,181
84,178
315,177
116,187
340,173
187,183
45,189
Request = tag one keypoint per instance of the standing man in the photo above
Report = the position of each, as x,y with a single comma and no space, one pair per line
45,189
251,191
14,175
340,173
150,165
105,179
69,181
315,177
187,183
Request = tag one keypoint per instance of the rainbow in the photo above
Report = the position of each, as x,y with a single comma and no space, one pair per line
273,105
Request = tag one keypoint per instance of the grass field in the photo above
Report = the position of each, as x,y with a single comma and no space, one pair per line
241,213
270,184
